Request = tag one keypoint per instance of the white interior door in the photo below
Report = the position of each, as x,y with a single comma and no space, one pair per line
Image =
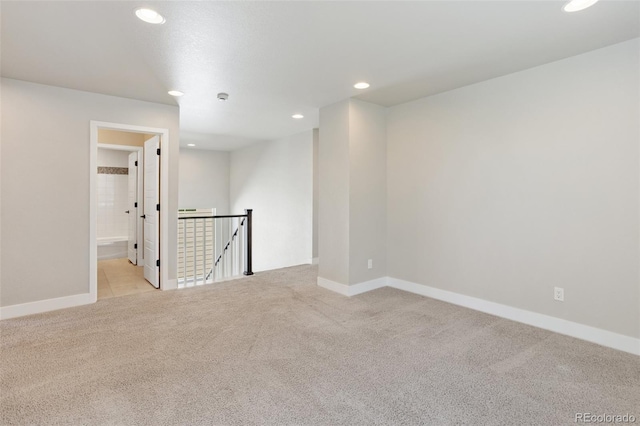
140,220
132,209
152,211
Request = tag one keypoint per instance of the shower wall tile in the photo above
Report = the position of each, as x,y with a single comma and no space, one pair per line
112,203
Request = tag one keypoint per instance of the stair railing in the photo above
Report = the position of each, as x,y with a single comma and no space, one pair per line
213,248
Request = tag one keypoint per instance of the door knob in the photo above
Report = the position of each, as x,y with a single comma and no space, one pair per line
127,211
144,216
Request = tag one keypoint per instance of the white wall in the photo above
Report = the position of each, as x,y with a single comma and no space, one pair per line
333,187
352,181
204,180
316,193
367,191
45,185
504,189
113,158
275,179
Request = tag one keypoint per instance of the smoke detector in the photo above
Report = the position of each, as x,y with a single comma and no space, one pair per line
223,96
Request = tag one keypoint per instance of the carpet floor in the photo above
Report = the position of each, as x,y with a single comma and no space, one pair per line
276,349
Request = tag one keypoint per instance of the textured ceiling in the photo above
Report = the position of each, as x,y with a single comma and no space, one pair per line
279,58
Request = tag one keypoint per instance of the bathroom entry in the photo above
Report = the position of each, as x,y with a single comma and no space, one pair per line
126,230
117,184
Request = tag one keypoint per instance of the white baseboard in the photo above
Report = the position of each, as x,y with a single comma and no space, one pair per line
47,305
557,325
333,286
121,255
232,278
170,285
352,290
546,322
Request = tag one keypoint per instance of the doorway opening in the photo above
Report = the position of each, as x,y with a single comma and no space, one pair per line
120,193
127,236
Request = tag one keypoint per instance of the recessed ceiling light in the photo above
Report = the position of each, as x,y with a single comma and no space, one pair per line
361,85
191,144
175,93
576,5
297,116
150,16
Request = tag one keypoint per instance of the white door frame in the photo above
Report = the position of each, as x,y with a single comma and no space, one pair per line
139,184
165,283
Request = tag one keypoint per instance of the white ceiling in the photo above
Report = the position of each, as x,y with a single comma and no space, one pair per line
279,58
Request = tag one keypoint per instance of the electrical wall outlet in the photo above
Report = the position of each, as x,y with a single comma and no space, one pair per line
370,263
558,294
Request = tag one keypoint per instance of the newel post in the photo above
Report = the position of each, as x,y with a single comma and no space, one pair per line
248,269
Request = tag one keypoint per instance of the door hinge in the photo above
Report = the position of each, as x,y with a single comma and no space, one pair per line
158,207
158,151
136,163
135,246
135,204
158,263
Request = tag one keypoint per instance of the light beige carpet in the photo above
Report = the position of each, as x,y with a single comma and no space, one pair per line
276,349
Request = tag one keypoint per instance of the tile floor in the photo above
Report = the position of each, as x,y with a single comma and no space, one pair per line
118,277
